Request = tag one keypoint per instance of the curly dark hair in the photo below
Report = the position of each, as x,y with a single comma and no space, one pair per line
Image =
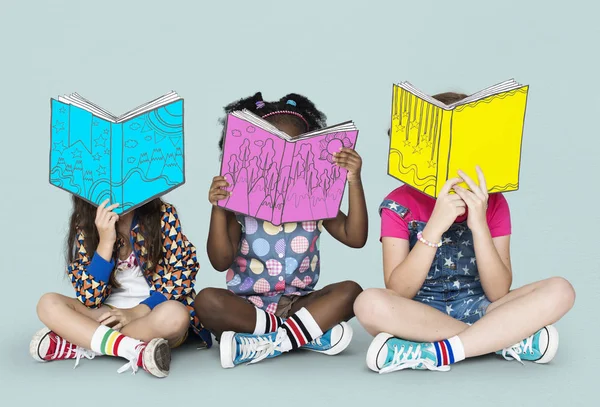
297,103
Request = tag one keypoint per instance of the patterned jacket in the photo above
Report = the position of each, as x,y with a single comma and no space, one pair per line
173,277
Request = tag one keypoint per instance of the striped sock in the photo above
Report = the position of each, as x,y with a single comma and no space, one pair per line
301,328
449,351
109,342
266,322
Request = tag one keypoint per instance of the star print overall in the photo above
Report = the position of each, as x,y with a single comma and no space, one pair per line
275,260
452,284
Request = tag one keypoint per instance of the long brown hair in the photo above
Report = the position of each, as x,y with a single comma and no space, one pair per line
83,220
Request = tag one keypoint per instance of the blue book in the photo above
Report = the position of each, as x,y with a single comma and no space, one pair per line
128,159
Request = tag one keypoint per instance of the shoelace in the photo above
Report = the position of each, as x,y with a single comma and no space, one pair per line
83,353
133,362
260,348
406,358
513,352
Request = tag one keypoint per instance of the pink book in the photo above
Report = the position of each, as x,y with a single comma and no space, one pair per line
281,179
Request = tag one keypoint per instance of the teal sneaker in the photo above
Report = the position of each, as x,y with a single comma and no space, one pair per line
237,348
388,354
333,341
541,347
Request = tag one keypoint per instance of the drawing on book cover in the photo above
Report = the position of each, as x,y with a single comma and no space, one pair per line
279,179
431,141
128,159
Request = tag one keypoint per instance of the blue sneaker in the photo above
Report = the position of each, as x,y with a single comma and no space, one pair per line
237,348
388,354
333,341
541,347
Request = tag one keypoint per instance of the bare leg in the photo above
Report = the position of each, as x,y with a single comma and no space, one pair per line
380,310
510,320
73,321
221,310
330,305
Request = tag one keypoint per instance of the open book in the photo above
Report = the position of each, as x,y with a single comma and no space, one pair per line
431,141
281,179
129,159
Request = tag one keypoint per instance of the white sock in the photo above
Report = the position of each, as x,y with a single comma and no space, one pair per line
113,343
457,348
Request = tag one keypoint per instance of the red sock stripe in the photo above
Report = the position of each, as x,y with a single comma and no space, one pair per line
444,350
115,350
273,320
298,336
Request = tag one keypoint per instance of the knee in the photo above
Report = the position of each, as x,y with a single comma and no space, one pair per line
350,290
209,301
371,305
48,304
562,292
172,317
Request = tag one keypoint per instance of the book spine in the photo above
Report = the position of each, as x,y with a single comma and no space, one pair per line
116,165
287,158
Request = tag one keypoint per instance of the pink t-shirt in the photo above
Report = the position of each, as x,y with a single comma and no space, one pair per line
421,206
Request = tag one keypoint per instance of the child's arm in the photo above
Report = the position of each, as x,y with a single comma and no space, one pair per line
90,272
493,254
351,230
405,270
224,233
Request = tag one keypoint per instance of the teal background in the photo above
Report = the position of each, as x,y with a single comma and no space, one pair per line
344,55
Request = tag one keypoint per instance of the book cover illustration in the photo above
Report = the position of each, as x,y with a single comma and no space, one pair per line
280,179
431,141
129,159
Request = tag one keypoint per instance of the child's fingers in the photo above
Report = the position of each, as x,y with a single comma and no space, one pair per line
449,184
349,151
482,182
117,327
466,195
219,178
472,185
220,184
103,317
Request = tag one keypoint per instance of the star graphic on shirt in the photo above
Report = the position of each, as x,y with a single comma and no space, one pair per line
460,255
393,206
460,232
466,314
466,270
425,300
472,260
476,277
482,297
447,240
457,284
101,170
449,309
426,288
467,242
448,262
470,292
60,147
76,153
467,302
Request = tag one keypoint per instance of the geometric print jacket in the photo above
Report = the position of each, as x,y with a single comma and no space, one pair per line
173,277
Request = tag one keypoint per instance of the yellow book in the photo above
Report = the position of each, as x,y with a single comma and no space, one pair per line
430,141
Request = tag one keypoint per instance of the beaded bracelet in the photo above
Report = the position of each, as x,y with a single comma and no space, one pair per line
428,243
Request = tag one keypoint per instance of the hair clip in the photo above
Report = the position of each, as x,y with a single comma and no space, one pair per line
291,102
289,112
260,104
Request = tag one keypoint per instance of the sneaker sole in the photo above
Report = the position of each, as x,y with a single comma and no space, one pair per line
225,347
157,357
374,350
341,346
34,345
552,345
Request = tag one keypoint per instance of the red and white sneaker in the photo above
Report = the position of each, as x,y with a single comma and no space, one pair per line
154,357
47,346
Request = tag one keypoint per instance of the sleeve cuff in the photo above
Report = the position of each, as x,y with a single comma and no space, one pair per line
100,269
154,299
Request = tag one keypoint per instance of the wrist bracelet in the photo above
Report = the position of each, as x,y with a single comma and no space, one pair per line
428,243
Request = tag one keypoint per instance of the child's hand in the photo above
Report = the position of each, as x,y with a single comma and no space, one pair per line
217,190
447,208
118,318
105,223
476,200
350,160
